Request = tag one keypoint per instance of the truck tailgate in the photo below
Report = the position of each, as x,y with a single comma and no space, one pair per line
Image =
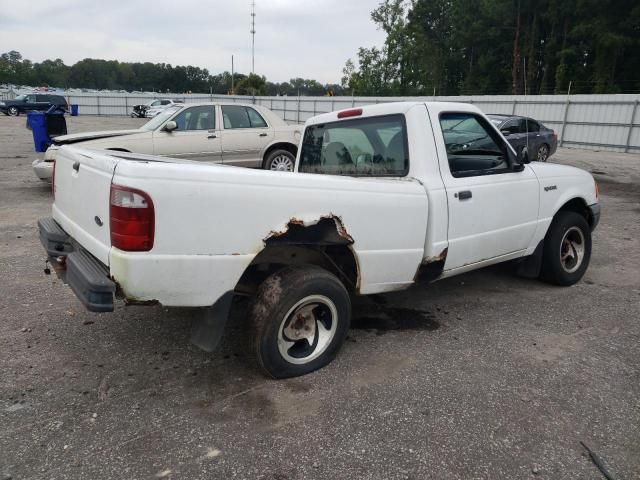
82,187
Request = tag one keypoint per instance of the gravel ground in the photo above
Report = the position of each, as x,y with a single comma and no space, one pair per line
485,375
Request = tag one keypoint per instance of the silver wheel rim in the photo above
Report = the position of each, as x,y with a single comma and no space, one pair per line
281,163
572,250
13,111
307,329
542,153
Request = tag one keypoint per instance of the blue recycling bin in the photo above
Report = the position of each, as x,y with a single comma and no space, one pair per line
74,109
38,124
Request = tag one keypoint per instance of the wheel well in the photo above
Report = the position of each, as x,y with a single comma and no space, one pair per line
289,147
579,206
324,243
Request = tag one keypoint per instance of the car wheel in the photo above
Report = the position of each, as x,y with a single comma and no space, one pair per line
543,153
567,249
301,317
13,111
280,160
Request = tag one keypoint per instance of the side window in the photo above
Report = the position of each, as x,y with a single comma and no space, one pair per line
31,99
512,126
256,119
235,116
532,125
364,147
196,118
164,102
473,147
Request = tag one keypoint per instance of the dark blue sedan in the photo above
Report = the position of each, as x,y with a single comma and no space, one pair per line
527,136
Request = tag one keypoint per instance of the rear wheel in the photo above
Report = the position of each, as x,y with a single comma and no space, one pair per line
567,249
543,153
280,160
301,316
13,111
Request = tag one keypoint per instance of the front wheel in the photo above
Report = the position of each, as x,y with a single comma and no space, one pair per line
280,160
567,249
301,316
13,111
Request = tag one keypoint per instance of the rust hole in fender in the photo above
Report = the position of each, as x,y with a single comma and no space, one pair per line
328,230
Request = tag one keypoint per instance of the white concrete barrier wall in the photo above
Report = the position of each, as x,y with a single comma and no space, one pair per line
599,122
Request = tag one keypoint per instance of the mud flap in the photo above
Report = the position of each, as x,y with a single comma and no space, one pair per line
208,326
529,267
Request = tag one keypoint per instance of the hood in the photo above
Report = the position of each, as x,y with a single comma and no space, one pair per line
80,137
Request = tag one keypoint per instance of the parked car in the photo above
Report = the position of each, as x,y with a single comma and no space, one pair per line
152,108
33,101
234,134
383,197
529,137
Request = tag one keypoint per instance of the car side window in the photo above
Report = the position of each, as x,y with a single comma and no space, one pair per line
512,126
256,119
532,125
196,118
164,102
235,116
473,147
30,98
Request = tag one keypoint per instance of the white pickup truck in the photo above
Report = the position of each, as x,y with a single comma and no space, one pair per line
382,197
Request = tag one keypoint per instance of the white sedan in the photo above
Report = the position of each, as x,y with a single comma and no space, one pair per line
234,134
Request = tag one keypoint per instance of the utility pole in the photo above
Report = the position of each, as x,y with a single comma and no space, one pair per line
253,37
232,91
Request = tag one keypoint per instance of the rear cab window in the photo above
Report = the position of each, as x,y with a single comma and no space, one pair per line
473,147
367,147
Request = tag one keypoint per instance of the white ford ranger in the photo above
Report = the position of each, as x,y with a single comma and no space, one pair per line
382,197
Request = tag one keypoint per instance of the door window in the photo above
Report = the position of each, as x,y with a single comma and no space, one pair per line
196,118
531,125
473,147
31,99
238,116
373,147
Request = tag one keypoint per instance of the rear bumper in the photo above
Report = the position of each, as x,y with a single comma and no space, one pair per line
43,169
86,275
595,215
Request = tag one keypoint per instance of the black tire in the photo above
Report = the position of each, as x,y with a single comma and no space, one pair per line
558,244
13,112
280,160
281,300
542,155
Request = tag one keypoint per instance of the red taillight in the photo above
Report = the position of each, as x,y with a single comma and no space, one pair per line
131,219
354,112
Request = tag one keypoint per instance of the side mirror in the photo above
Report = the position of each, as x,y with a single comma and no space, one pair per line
170,126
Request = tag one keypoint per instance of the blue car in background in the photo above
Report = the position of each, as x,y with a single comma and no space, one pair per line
527,136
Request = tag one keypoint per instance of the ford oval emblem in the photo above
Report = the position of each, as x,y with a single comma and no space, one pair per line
98,220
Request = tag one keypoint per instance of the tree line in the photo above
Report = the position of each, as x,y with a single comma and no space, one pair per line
457,47
158,77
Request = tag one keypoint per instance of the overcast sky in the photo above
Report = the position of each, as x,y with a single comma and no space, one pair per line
295,38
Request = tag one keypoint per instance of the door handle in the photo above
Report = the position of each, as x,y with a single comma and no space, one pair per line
263,134
463,195
212,136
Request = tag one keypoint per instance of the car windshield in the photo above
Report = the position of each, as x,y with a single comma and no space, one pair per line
21,97
159,119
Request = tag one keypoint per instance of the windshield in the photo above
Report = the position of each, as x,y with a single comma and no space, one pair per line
159,119
21,97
